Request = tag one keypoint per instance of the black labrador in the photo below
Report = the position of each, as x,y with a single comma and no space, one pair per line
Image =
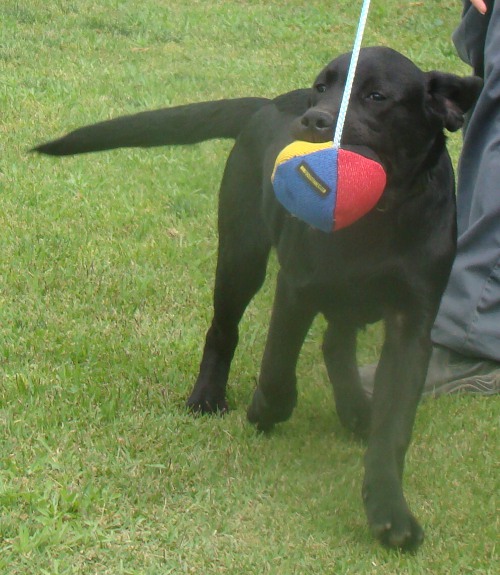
392,264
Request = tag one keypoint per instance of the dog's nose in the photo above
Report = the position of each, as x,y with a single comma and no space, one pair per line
314,126
317,121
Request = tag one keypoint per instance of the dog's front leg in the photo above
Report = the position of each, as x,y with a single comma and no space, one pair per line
398,385
241,269
276,395
237,280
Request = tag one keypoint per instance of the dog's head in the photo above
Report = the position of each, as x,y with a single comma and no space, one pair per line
395,109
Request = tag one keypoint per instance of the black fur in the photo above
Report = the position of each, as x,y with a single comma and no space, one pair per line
392,264
168,126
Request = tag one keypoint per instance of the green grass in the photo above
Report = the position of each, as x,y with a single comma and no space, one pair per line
106,271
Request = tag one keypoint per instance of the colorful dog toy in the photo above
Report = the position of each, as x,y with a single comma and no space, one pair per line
322,184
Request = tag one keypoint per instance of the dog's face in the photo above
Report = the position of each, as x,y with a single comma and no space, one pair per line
395,109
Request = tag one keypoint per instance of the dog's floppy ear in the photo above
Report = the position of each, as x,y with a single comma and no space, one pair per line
450,97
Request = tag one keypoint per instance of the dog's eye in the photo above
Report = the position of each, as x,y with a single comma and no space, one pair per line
376,97
320,88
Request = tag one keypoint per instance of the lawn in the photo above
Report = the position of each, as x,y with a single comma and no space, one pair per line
106,269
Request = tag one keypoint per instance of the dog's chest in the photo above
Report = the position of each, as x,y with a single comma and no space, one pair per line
340,259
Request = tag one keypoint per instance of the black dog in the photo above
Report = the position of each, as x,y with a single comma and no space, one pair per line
392,264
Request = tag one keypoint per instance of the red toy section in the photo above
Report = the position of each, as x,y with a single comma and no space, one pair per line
360,184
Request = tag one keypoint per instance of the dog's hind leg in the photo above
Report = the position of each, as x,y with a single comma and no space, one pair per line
276,395
241,267
339,352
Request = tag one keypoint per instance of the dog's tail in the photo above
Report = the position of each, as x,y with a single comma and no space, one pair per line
168,126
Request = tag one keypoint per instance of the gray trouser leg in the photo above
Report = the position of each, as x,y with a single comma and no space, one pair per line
469,317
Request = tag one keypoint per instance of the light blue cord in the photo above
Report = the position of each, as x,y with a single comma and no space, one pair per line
350,75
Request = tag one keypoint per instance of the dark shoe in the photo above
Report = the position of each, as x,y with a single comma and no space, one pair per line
451,372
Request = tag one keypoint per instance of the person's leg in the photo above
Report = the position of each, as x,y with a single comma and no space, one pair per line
469,317
466,333
467,328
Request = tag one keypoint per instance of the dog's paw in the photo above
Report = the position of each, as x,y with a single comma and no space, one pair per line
264,415
203,402
355,415
398,531
393,524
259,412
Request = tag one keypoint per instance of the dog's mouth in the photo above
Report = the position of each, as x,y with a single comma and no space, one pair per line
317,127
322,131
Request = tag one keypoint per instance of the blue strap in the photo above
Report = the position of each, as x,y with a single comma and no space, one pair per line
350,75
